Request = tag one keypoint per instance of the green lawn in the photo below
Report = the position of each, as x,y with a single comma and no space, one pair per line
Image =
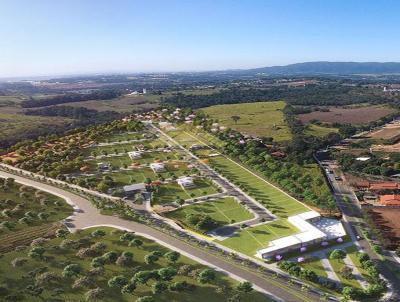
16,279
250,240
352,253
224,211
259,119
320,131
315,265
337,264
168,193
273,199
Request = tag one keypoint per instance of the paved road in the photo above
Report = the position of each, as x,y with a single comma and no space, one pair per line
86,216
351,212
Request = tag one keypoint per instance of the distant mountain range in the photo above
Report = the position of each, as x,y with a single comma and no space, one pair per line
334,68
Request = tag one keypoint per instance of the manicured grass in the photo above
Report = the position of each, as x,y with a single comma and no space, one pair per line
16,279
250,240
337,264
320,131
273,199
224,211
184,138
168,193
352,253
21,202
258,119
315,265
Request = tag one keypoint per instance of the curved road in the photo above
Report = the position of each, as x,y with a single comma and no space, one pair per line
86,216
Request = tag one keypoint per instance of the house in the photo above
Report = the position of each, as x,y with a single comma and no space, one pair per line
313,229
134,189
384,186
185,182
135,155
157,167
389,200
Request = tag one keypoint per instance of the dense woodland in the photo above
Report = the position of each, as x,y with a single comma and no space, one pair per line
320,95
71,98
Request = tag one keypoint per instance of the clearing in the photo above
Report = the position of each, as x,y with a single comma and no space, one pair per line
263,119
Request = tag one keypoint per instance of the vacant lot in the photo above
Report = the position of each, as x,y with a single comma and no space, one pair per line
388,132
257,119
387,220
360,115
224,211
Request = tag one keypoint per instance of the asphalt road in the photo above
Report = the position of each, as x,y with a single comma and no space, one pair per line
351,212
86,216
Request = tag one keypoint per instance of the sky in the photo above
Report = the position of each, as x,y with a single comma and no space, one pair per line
62,37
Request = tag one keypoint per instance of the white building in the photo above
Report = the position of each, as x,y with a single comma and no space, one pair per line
313,229
135,155
157,167
185,182
135,188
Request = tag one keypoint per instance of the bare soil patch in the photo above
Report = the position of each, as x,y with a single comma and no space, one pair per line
388,132
360,115
387,219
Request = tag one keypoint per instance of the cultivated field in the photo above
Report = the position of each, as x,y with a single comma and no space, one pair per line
357,115
95,260
263,119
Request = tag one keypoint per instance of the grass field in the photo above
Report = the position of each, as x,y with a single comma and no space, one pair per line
320,131
315,265
337,264
273,199
168,193
15,280
224,211
118,137
263,119
249,240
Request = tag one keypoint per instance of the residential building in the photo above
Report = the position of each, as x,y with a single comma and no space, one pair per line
186,182
157,167
389,200
135,155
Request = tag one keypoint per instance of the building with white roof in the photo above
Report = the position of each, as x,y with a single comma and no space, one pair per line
135,188
135,154
185,182
157,167
313,229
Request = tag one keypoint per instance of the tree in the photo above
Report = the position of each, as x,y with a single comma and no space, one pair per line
125,259
150,258
62,233
47,278
94,294
117,281
159,287
245,287
128,288
142,277
346,272
19,261
98,262
136,242
172,256
98,233
36,252
167,273
110,257
72,270
127,236
206,276
235,118
337,254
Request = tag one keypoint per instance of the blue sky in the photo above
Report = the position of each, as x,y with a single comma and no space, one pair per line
87,36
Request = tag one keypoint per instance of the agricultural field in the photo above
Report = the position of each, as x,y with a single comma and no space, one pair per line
223,211
356,115
258,237
109,265
389,131
171,192
320,131
272,198
262,119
